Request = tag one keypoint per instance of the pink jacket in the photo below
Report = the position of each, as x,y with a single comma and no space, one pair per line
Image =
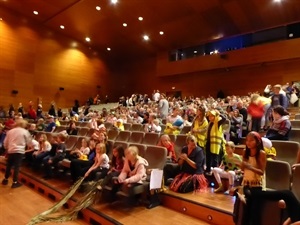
138,174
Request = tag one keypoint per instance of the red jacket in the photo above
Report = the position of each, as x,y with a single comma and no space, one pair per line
256,110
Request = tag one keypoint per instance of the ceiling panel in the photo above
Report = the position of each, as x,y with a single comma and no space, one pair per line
184,22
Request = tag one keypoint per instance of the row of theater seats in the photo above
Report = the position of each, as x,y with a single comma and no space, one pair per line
139,137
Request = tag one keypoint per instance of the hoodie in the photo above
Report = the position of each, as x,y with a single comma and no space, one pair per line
137,174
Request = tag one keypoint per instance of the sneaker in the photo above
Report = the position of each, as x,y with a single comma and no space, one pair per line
5,181
16,185
226,192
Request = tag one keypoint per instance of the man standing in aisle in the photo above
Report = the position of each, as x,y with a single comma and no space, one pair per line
15,144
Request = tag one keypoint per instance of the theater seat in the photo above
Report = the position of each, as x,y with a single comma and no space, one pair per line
296,182
286,151
278,175
150,139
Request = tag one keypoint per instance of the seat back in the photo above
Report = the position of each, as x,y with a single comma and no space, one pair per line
78,143
84,124
71,142
294,134
123,136
150,139
127,126
136,137
278,175
297,116
226,129
295,123
90,132
64,122
142,148
185,129
136,127
296,182
60,129
121,143
163,127
82,131
156,157
108,125
286,151
112,134
179,143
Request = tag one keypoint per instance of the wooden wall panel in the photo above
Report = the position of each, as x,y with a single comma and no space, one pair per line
277,51
36,62
141,78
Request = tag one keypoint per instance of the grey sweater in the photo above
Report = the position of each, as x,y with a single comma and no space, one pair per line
16,140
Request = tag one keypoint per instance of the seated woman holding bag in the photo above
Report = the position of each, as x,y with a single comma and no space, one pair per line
281,125
190,169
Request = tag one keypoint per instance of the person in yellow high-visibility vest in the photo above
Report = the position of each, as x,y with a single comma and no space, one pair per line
214,140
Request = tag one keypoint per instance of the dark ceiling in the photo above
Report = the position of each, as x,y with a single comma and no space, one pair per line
184,22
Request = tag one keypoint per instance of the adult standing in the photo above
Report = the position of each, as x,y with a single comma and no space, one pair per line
15,143
163,106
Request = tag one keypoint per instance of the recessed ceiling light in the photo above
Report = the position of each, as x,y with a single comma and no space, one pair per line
140,18
114,1
195,52
124,24
35,12
87,39
108,49
74,44
161,32
146,37
62,27
98,8
277,0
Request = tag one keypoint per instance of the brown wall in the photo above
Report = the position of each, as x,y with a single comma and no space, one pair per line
245,71
36,61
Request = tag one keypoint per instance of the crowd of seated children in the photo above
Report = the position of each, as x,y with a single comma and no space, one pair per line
60,153
228,169
165,141
188,173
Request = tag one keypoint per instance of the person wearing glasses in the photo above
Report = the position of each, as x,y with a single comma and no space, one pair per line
189,172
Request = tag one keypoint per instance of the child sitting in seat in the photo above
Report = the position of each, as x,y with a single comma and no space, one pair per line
101,164
165,141
228,168
117,163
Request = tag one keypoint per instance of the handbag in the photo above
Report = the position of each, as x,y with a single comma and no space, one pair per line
293,98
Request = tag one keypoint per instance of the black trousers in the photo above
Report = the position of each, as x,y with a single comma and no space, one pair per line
78,168
13,160
212,160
